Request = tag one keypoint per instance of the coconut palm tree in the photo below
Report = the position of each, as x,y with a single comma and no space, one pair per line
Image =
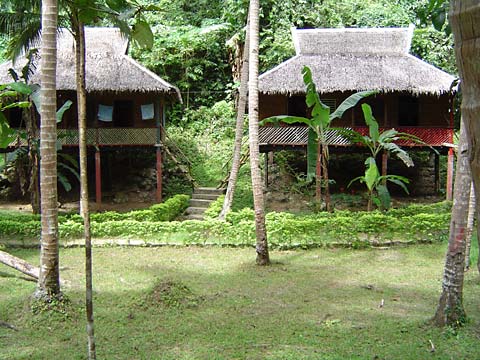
470,225
237,149
48,286
257,186
463,17
450,309
463,20
76,14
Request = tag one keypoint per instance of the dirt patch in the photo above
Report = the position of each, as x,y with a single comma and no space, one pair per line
172,294
75,206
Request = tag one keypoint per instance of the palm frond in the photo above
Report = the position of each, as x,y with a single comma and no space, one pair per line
26,38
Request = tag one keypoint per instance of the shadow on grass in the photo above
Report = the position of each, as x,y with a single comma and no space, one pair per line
307,304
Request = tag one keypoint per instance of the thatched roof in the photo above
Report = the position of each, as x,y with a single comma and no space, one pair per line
108,66
354,60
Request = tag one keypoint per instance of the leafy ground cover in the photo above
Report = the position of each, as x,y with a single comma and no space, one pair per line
214,303
414,223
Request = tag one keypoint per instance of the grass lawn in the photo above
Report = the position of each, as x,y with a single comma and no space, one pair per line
214,303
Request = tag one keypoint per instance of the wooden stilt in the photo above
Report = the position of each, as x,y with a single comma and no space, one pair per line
266,170
437,173
98,177
450,164
160,122
159,175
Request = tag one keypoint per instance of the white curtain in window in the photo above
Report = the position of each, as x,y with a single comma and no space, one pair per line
105,113
148,112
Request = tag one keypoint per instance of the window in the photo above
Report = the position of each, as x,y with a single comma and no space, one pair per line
123,113
378,111
15,118
148,112
407,111
297,106
105,113
331,103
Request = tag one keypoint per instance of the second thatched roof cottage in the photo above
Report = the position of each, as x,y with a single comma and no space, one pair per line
415,97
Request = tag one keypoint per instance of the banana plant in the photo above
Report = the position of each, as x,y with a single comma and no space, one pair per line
8,135
8,94
376,189
319,124
378,141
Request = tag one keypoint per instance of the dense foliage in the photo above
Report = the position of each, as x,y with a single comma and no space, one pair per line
194,49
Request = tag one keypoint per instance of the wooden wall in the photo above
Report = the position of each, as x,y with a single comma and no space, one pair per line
94,99
433,111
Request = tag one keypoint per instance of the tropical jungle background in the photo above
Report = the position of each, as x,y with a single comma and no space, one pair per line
197,46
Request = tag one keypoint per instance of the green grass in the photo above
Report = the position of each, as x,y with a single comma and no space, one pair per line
214,303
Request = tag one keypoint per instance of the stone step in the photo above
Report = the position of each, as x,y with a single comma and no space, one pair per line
195,210
200,203
193,217
211,197
209,191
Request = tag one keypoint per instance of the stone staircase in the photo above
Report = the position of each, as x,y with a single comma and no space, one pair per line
201,199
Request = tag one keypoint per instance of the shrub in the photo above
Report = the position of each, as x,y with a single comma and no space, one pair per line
246,214
285,230
171,208
21,229
166,211
214,209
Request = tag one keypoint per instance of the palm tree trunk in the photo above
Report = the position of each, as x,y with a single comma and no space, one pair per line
19,264
450,310
464,16
84,206
258,201
31,130
237,150
470,222
49,277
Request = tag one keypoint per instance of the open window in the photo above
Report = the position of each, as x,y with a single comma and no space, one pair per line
408,111
297,106
123,113
378,111
15,118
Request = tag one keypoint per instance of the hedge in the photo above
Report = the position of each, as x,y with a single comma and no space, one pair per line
18,225
285,230
166,211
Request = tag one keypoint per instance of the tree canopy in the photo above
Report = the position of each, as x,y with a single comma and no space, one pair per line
193,51
193,47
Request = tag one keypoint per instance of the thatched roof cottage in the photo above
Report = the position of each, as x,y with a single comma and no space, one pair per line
125,101
415,97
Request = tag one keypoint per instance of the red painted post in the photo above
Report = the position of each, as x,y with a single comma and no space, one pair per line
159,175
98,178
449,189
